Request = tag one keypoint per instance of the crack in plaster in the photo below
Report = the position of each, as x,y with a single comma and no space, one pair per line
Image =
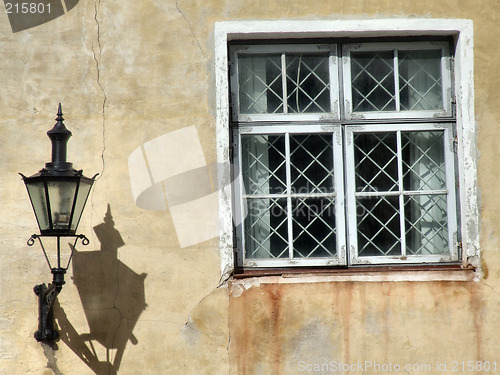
223,282
98,79
105,97
491,287
191,30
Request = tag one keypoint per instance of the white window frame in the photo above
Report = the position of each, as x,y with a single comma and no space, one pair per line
460,30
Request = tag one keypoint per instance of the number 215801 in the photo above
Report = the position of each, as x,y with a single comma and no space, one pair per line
27,8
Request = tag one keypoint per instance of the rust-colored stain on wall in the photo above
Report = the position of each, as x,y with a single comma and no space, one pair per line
351,323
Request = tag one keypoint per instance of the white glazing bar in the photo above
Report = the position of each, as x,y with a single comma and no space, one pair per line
401,195
338,168
289,195
446,83
284,84
449,158
396,80
334,82
240,192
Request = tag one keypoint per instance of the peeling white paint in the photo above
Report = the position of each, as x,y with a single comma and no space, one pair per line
238,287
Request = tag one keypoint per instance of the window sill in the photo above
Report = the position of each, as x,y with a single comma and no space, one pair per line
358,274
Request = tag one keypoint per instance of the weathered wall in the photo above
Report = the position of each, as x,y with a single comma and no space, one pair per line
129,72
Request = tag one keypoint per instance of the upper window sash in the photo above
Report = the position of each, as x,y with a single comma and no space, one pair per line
397,80
289,82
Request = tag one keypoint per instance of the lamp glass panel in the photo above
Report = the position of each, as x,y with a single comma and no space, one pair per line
36,191
61,196
83,193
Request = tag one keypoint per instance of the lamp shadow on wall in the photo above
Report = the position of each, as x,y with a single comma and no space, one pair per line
112,297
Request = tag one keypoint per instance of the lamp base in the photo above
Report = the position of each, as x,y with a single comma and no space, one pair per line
46,298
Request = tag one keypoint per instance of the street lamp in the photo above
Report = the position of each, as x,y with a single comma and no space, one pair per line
58,194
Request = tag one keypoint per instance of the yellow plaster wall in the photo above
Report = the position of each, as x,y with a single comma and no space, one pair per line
128,72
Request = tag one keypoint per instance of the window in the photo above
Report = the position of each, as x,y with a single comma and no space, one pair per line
347,152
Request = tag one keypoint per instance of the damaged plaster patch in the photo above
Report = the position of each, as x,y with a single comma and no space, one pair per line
191,333
314,337
238,287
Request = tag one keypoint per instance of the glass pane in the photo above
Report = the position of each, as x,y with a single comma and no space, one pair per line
61,196
314,228
83,193
372,81
426,225
36,191
311,163
376,165
263,169
260,84
308,88
378,226
266,231
423,160
420,82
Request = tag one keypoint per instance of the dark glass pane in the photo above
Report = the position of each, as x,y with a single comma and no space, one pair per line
372,81
314,228
266,230
308,87
311,163
376,165
378,226
420,83
260,84
263,164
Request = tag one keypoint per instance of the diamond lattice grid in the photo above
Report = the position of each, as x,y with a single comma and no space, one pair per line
308,85
260,86
314,228
266,229
426,224
423,160
264,163
311,163
372,82
375,162
378,226
420,82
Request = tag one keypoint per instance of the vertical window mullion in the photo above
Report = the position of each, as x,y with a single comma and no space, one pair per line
335,82
350,189
340,206
289,196
239,189
284,83
401,195
396,81
451,194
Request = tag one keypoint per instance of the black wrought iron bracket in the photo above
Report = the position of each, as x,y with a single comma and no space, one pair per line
48,294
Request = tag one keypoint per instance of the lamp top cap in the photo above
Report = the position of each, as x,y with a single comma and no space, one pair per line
59,131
